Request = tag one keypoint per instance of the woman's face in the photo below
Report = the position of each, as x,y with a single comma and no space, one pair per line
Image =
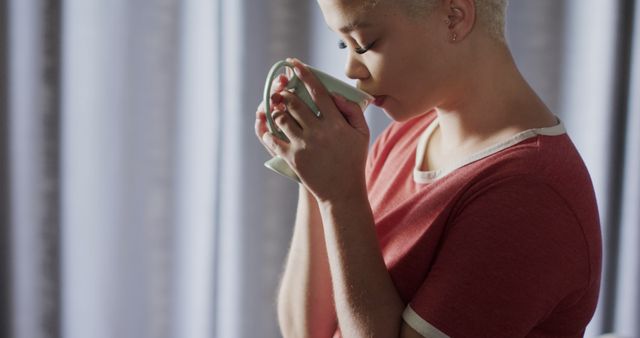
395,57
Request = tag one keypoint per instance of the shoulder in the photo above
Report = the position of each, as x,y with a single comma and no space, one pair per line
543,166
533,213
519,241
522,196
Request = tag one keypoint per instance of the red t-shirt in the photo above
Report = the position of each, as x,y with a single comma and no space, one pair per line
507,244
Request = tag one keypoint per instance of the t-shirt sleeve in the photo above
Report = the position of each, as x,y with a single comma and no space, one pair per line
513,253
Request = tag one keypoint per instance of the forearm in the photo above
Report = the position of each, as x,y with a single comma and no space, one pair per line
305,299
367,302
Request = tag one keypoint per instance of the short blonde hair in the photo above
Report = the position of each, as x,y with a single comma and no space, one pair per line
489,13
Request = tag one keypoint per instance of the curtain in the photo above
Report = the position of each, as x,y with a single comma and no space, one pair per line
34,158
254,209
5,284
92,153
133,197
120,64
625,317
597,99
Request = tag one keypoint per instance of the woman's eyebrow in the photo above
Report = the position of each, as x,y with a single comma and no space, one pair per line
354,25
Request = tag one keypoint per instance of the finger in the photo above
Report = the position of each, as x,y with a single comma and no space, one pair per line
261,120
298,109
318,92
279,83
351,112
289,71
287,124
260,110
261,128
275,145
277,101
261,125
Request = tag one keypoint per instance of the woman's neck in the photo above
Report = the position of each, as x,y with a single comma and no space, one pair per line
494,100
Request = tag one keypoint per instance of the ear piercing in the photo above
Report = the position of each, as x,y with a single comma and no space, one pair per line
454,36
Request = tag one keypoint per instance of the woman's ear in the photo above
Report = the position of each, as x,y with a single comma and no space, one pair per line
461,17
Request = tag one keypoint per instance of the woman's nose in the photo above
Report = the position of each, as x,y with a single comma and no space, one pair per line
355,69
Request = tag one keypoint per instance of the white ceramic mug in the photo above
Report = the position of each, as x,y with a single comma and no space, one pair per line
296,86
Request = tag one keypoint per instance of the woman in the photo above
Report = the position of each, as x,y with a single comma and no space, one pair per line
472,215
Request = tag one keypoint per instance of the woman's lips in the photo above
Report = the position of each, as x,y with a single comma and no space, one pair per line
379,100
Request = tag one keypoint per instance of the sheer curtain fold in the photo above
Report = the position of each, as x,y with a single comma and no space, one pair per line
197,132
34,166
590,107
119,102
5,200
255,206
627,304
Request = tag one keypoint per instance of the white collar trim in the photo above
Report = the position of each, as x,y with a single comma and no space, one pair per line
430,176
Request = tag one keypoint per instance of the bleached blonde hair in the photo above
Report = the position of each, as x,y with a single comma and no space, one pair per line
490,14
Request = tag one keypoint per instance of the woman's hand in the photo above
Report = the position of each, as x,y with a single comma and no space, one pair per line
327,153
279,83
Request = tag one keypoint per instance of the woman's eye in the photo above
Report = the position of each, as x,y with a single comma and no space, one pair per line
359,50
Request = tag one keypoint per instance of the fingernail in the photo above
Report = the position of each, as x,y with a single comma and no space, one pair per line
297,70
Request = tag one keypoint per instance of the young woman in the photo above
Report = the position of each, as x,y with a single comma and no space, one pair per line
472,215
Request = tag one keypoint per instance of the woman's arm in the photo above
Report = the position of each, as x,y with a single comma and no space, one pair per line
329,155
305,299
367,302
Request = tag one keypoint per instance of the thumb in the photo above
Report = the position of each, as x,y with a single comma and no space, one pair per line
351,112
